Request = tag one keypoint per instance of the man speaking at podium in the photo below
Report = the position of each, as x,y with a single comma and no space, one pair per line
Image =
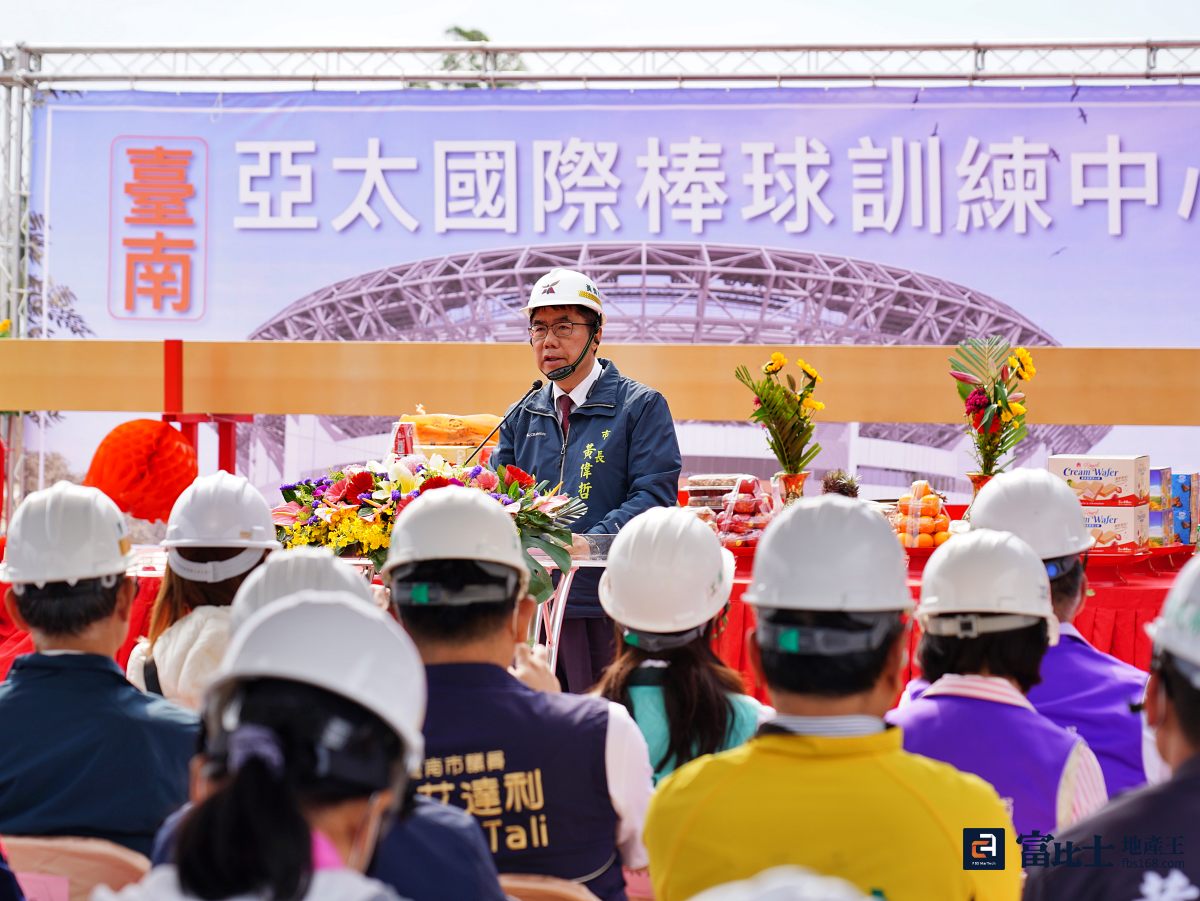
609,439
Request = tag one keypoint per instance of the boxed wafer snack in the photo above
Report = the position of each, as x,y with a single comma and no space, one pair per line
1110,480
1118,528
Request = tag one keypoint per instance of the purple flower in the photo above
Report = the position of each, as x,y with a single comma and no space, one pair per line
457,482
397,494
364,497
475,471
319,491
420,467
312,520
415,493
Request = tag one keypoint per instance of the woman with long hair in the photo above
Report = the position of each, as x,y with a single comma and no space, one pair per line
308,745
219,530
667,581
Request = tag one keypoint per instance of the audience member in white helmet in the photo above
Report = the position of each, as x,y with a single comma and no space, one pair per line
220,528
1082,688
1148,840
82,752
825,784
308,746
434,851
986,623
287,572
666,583
559,783
784,884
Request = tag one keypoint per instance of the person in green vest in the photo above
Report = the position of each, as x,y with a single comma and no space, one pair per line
666,584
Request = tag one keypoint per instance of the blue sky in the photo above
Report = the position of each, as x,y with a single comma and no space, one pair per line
267,22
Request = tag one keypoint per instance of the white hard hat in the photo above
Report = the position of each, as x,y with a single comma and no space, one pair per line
984,572
1036,506
1177,628
830,553
666,572
455,523
333,641
221,510
784,883
287,572
65,533
565,287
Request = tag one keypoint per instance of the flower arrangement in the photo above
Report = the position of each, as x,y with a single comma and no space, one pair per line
989,372
352,511
785,408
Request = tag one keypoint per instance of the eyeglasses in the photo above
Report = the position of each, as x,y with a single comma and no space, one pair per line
560,329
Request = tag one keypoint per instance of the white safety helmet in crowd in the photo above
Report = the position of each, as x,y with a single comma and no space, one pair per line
454,523
1040,509
221,510
65,533
784,883
1177,628
984,572
333,641
288,572
666,573
830,553
565,287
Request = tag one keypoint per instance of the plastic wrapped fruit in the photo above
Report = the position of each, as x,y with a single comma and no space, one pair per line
920,519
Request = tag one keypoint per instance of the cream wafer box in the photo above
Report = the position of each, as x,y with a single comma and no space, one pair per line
1110,481
1118,528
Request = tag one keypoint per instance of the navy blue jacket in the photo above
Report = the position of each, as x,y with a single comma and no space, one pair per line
84,753
436,853
621,458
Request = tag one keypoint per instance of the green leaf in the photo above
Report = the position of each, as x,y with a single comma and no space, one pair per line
556,552
541,586
964,390
514,491
289,495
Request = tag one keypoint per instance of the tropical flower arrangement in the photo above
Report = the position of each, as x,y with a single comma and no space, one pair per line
352,511
785,408
989,374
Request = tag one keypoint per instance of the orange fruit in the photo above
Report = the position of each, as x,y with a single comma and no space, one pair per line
941,523
931,505
920,488
904,505
925,540
902,538
925,525
940,538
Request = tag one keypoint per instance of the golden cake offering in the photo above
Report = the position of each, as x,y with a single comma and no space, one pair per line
449,430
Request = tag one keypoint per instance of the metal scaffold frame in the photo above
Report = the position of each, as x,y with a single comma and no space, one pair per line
27,71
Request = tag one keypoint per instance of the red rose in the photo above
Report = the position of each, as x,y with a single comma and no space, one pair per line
521,477
434,482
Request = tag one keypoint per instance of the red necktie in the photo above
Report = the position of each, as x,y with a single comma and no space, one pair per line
564,413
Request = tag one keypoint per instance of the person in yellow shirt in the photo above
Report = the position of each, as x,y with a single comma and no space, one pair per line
826,784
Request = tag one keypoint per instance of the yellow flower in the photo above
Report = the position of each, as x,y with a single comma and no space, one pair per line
1014,364
1016,409
814,405
776,363
1005,416
810,372
5,327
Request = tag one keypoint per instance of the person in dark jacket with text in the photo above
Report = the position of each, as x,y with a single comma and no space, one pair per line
609,440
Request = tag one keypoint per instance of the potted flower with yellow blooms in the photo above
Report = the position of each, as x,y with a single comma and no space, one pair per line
785,407
989,374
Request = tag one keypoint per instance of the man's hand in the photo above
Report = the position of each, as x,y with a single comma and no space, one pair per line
580,546
531,666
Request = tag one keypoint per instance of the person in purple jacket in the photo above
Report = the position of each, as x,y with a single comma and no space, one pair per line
986,623
1093,693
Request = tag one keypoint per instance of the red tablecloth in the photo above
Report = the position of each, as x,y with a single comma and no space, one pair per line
1113,619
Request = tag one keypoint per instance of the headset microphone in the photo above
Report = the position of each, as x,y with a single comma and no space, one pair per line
557,375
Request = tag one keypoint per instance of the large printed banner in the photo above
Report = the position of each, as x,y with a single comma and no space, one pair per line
203,216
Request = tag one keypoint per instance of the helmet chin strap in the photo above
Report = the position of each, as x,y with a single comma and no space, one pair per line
557,375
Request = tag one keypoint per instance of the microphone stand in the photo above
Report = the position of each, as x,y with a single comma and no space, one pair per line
537,385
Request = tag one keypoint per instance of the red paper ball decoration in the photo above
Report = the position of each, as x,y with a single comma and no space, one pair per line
143,465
